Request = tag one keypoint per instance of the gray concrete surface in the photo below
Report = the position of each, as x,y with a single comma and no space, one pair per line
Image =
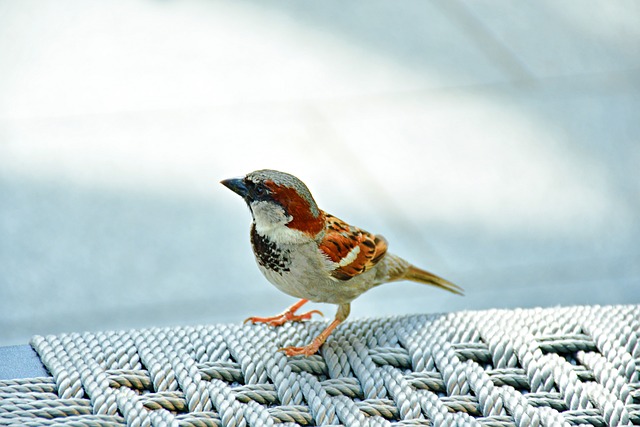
497,145
20,361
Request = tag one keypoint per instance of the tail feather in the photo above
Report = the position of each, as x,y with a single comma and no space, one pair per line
421,276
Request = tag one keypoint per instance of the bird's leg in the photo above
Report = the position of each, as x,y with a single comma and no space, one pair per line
310,349
289,315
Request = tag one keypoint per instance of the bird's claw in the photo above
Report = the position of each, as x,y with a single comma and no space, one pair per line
283,318
306,351
306,316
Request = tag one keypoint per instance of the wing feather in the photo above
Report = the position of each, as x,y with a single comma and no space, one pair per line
353,250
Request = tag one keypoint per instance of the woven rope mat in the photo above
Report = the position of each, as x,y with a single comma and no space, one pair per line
550,367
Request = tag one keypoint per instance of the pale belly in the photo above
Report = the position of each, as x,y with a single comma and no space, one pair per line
307,278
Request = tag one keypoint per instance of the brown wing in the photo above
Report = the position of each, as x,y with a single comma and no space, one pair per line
353,250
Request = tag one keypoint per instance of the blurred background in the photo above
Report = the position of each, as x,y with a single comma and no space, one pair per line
496,144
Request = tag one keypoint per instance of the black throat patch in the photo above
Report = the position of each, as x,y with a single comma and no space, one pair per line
268,254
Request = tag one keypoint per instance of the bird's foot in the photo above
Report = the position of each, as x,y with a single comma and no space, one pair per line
281,319
311,349
306,351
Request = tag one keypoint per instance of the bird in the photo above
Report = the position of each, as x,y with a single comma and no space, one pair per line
314,256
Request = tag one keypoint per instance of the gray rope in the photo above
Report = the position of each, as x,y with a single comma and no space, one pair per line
542,367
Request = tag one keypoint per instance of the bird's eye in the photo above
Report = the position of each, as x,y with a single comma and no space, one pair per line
260,190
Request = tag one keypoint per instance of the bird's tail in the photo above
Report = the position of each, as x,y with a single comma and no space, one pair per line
421,276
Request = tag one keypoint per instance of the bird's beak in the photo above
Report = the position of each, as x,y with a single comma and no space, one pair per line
236,185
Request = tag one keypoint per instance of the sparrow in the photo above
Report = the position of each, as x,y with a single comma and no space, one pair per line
314,256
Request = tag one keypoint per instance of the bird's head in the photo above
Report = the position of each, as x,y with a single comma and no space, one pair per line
280,204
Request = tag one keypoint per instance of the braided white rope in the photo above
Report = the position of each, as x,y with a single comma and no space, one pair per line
539,367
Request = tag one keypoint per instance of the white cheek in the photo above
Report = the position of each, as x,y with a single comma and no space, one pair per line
271,221
268,215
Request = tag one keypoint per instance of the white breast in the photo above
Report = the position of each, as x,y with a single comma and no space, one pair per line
308,276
